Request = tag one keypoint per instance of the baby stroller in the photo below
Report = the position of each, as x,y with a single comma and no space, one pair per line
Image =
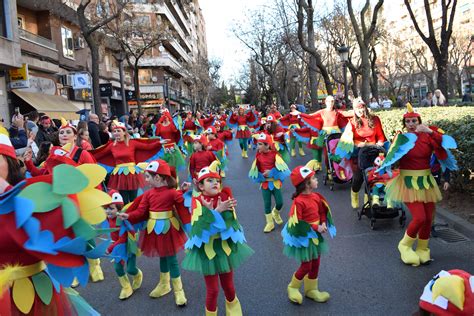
366,158
337,170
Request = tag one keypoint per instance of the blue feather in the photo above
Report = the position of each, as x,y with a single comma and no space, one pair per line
309,125
449,163
448,142
300,138
159,226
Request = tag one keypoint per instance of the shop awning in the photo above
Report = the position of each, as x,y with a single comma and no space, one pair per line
82,105
53,105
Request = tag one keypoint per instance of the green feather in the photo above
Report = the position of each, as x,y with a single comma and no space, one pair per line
407,180
167,226
42,196
70,212
300,229
43,287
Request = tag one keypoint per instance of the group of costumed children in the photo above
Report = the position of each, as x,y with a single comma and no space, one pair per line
161,222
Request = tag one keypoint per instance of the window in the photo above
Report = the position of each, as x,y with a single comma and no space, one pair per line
21,22
68,42
3,18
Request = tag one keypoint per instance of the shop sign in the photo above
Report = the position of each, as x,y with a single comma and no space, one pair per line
19,77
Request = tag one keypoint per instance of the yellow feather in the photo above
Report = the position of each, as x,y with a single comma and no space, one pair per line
5,276
452,288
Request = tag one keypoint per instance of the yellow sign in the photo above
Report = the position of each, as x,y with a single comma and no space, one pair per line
19,77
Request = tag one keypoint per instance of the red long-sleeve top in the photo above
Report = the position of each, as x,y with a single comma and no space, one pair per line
199,160
216,144
266,161
168,132
281,138
85,157
225,135
367,134
310,208
121,152
276,115
331,118
160,199
190,125
291,119
419,157
224,195
205,123
242,119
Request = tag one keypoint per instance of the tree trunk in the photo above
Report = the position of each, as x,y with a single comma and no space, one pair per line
313,82
95,75
365,70
374,85
136,83
442,80
355,90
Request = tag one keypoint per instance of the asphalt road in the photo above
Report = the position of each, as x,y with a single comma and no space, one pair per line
362,271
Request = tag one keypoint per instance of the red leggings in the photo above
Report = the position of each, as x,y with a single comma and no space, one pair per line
212,289
310,268
422,216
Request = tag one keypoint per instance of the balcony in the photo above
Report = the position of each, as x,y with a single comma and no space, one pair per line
37,44
164,10
164,60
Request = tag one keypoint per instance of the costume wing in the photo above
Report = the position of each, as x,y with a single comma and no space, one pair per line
402,144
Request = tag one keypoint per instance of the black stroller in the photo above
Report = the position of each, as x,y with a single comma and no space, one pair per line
367,156
330,176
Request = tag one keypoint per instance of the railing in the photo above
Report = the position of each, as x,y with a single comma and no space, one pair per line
24,34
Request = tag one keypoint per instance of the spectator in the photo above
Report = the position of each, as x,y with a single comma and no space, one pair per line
45,131
32,121
104,134
93,127
43,153
301,108
373,103
17,132
83,140
400,102
386,102
438,98
428,100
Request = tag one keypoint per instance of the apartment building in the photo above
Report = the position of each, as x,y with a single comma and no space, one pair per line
163,75
9,52
400,26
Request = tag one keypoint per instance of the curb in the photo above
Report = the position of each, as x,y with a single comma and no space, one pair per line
456,222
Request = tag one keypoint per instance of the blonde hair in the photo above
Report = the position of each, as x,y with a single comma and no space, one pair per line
126,136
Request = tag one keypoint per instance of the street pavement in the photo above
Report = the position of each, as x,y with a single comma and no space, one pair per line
362,271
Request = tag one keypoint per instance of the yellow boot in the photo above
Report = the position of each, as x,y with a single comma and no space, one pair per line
209,313
293,153
294,290
95,270
178,290
301,152
366,198
127,290
242,153
269,226
233,308
75,283
375,201
407,254
311,291
354,199
137,280
276,216
163,287
423,251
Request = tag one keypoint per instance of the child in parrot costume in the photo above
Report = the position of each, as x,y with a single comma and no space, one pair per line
124,248
270,171
218,147
201,157
313,136
415,185
191,128
216,244
378,182
169,131
279,137
290,122
310,217
167,219
45,225
242,121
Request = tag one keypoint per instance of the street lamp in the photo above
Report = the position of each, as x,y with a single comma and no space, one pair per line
344,55
167,93
120,57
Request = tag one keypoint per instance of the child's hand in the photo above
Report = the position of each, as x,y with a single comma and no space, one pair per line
123,216
225,205
322,228
185,186
207,204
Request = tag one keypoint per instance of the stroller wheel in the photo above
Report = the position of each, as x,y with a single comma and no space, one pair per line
372,224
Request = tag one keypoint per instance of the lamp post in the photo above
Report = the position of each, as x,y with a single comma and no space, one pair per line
167,93
344,55
120,57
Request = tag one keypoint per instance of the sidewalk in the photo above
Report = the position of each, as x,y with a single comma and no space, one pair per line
459,224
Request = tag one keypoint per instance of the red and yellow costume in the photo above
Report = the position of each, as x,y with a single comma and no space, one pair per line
200,159
415,186
290,122
302,239
163,210
243,121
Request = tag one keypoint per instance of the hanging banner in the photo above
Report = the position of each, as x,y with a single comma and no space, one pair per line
81,81
19,77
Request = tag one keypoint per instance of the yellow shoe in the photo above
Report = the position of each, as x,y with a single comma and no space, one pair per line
163,287
209,313
366,198
245,154
95,271
354,199
137,280
407,254
301,152
375,200
127,290
311,291
293,153
233,308
276,216
423,251
269,226
75,283
294,290
179,296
